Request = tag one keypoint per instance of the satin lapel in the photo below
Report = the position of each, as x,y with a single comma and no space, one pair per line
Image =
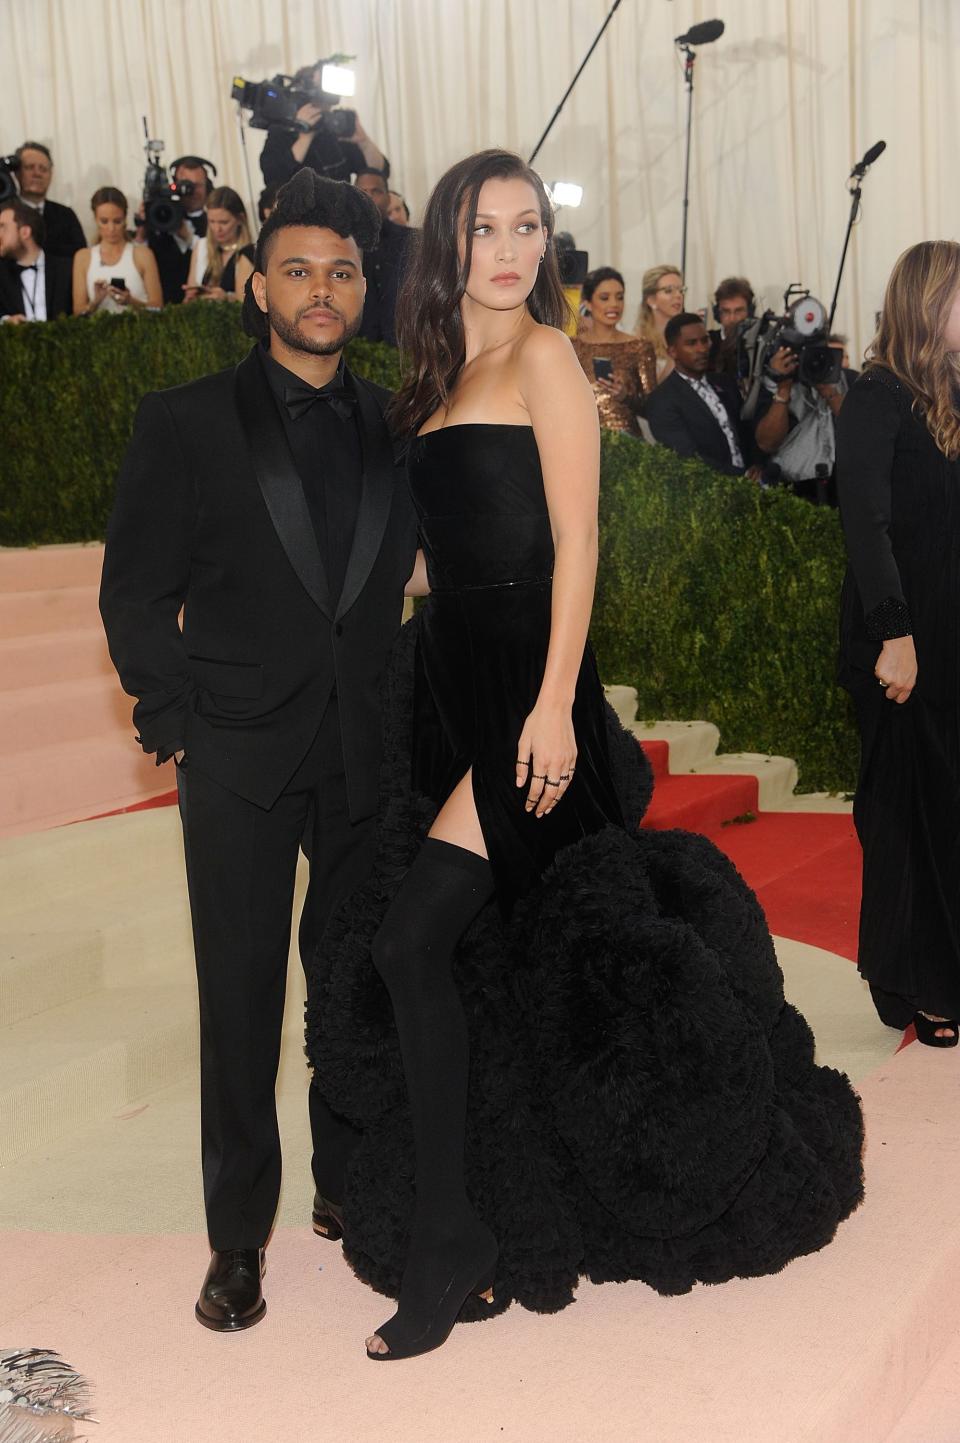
376,497
279,479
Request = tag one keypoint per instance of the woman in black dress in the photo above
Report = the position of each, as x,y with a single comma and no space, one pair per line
898,477
600,1076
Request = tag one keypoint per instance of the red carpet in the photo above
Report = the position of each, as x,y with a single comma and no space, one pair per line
805,868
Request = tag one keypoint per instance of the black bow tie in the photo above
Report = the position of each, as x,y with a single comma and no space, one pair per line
299,398
27,268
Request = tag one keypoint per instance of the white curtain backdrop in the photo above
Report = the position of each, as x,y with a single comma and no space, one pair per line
791,95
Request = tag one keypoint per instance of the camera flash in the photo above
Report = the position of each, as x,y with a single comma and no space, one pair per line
564,192
338,80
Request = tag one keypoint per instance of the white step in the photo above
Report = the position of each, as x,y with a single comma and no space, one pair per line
39,970
70,1065
776,776
45,963
132,855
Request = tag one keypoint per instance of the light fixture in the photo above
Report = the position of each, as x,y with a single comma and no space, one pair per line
565,192
338,80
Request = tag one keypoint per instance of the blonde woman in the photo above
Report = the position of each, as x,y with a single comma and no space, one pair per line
898,476
663,292
113,274
222,260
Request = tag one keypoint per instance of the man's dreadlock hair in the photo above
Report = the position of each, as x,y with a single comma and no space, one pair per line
311,199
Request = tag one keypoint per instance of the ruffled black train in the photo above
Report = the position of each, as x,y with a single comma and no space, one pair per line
643,1103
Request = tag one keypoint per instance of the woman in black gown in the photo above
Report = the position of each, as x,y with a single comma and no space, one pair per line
600,1076
898,477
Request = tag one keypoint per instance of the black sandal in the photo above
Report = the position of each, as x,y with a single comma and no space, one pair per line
927,1030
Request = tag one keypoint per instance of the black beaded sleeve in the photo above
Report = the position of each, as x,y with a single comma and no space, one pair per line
867,430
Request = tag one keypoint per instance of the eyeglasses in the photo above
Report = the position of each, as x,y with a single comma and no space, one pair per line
671,290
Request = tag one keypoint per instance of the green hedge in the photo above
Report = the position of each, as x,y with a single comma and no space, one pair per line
714,599
68,392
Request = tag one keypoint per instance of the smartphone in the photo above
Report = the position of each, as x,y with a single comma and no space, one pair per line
118,283
603,368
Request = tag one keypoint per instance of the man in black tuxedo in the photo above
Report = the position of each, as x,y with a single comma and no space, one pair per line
694,413
34,286
287,536
64,233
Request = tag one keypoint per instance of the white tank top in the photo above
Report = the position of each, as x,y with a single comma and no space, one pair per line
101,270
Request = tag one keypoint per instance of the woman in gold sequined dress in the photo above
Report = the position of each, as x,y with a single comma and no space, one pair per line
621,368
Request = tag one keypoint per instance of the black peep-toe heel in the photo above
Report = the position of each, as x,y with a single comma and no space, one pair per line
927,1030
472,1275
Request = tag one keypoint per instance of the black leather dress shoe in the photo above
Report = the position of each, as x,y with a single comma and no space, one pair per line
327,1218
231,1297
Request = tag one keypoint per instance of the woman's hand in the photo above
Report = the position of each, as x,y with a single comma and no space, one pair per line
120,294
214,293
546,756
190,293
616,388
896,668
101,289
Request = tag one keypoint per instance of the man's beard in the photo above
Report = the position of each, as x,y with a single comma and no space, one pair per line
291,334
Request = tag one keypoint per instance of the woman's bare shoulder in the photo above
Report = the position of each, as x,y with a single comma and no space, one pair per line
540,343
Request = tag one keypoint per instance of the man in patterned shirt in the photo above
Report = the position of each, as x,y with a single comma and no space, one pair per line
696,412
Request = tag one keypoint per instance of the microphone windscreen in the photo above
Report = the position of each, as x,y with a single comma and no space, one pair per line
703,33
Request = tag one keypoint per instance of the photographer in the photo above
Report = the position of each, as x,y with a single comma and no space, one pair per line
64,233
733,303
337,157
794,427
172,251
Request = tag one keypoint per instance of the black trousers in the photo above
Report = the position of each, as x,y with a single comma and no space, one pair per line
241,865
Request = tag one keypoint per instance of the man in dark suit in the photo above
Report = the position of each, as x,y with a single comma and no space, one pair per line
34,176
287,537
693,412
383,266
34,286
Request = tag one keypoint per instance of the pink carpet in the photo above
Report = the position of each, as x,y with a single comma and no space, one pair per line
829,1351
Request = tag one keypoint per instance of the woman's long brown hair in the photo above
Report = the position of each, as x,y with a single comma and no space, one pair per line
429,324
910,342
225,198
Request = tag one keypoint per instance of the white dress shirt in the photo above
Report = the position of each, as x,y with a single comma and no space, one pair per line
33,288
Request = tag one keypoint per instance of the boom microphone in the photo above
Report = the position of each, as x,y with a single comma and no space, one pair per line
702,34
868,159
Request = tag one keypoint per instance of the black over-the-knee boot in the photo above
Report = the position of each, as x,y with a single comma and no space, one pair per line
451,1252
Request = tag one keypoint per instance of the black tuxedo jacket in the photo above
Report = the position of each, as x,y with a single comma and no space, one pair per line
384,268
62,230
59,273
228,537
679,419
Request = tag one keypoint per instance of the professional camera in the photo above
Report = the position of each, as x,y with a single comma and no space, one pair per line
276,101
803,328
163,199
9,165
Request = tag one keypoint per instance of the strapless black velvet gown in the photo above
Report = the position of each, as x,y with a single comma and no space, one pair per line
643,1103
